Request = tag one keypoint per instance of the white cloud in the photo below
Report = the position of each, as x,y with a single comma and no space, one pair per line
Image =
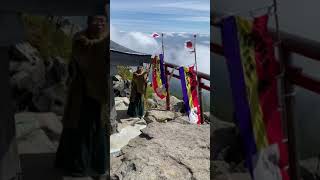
204,35
183,34
183,57
205,42
170,34
174,53
137,41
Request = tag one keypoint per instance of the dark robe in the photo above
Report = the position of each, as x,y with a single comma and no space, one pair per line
138,92
82,150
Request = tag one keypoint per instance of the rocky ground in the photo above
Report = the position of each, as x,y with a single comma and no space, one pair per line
37,85
162,145
165,145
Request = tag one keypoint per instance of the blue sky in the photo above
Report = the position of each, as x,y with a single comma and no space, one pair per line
161,16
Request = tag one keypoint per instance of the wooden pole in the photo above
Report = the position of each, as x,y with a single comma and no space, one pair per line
200,100
166,76
198,89
287,111
287,101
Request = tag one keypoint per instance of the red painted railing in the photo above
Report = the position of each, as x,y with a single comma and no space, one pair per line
202,85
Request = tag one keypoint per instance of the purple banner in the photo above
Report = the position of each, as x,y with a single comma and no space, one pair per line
240,102
184,89
162,72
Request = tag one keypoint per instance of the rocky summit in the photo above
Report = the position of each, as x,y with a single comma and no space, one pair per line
162,145
171,150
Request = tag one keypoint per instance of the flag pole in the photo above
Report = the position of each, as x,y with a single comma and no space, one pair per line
195,53
162,44
165,73
196,64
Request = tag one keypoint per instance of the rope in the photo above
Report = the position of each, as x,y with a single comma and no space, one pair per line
228,14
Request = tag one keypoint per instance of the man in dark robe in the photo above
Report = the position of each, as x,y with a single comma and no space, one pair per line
83,150
138,93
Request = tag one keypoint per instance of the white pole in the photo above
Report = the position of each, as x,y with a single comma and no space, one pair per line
195,54
198,83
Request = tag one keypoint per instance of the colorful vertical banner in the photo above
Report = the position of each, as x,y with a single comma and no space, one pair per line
249,51
158,76
190,94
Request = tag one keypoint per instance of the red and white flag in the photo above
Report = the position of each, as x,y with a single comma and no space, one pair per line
155,35
188,45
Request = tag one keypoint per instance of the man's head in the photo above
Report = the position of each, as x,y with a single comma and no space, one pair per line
140,69
97,24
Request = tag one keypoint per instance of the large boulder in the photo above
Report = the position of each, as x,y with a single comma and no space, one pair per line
310,168
27,68
51,99
159,116
37,132
228,160
121,87
121,103
165,151
56,71
176,104
36,142
226,142
151,103
37,84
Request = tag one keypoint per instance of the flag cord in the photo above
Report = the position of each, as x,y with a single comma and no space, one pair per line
268,7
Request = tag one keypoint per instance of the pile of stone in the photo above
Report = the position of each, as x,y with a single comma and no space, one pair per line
37,85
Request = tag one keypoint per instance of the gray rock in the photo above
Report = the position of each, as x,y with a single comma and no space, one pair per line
120,86
36,142
310,168
159,116
30,77
37,85
56,71
206,117
176,104
233,176
31,132
182,120
28,122
223,171
51,99
25,124
117,78
165,151
50,123
21,81
227,142
121,103
151,103
25,52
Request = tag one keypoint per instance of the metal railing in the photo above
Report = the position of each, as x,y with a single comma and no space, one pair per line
290,44
201,76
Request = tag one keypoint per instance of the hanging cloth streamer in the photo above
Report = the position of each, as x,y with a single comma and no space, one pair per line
249,51
158,76
190,95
